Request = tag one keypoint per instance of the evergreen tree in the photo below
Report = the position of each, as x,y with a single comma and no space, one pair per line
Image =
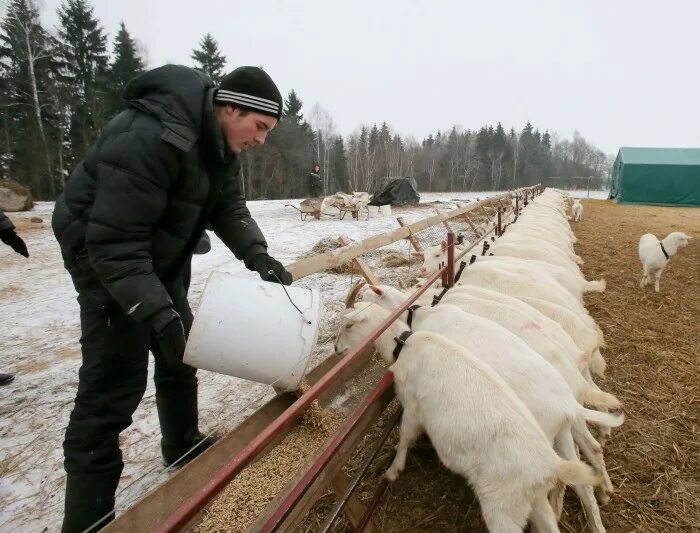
127,63
26,51
340,167
209,59
83,55
292,107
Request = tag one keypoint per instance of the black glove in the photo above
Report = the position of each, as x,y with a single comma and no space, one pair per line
10,238
263,264
170,335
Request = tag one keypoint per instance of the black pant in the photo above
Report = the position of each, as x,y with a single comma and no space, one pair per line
112,381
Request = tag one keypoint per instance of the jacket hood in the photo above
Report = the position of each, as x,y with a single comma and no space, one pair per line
180,97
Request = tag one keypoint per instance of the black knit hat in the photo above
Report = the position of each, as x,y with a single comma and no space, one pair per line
250,88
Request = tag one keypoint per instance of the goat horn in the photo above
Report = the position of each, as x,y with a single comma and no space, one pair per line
352,295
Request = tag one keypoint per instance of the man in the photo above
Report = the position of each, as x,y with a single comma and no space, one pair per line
315,185
128,222
9,236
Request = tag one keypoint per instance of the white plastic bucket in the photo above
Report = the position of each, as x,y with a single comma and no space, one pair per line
373,210
249,329
385,210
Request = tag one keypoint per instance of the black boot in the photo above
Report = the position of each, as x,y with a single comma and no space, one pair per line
179,426
89,502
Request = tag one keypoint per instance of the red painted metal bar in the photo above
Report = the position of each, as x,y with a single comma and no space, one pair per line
450,259
499,226
378,495
281,513
195,503
357,478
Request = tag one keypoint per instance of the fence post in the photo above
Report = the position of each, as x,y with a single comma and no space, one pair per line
499,226
411,237
450,274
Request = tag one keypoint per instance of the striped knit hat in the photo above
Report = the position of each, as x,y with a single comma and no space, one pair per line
250,88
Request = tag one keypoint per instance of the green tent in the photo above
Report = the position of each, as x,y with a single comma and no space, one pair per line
663,176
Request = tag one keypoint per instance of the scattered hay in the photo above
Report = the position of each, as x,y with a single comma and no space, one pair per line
653,366
15,196
396,259
328,244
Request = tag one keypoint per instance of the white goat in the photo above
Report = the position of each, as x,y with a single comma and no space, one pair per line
656,254
477,425
577,210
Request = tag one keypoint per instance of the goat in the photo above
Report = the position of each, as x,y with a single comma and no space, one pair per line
479,428
542,335
655,255
577,210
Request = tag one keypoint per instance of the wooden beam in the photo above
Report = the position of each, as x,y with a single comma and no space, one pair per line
411,237
471,224
444,222
364,268
324,261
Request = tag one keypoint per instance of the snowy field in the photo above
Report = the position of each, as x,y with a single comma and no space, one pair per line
40,332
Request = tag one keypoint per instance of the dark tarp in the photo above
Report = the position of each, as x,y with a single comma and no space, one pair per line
397,191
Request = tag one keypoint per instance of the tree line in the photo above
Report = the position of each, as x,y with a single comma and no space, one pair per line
60,86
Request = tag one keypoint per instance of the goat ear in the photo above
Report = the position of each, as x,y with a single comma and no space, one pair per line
376,290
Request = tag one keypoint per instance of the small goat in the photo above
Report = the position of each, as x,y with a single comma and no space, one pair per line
656,254
577,210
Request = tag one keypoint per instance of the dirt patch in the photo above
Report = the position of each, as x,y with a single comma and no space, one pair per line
31,367
653,365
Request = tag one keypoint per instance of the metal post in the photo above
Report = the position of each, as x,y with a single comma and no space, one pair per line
450,259
517,206
499,223
525,201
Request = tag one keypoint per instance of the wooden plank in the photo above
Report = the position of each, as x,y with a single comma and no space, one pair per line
471,225
444,222
364,267
411,237
333,258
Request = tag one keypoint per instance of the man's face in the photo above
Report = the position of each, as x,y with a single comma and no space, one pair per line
244,129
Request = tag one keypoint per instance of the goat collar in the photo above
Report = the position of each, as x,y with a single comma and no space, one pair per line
400,341
664,250
411,310
462,266
436,299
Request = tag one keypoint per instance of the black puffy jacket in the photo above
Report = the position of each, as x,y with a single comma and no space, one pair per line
5,222
133,211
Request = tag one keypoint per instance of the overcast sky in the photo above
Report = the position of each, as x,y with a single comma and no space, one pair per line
623,73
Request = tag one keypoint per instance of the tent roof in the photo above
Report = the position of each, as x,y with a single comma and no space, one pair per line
660,156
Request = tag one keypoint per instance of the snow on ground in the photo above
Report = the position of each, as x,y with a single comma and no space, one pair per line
40,345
